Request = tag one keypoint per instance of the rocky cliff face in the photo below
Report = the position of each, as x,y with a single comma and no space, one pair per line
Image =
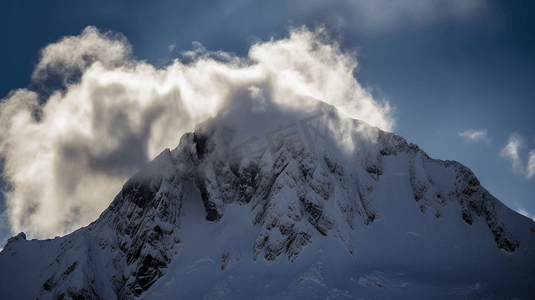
295,196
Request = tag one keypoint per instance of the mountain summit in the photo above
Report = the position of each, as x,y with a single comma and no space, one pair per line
294,202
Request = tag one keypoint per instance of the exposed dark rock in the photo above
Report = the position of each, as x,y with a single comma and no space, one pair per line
225,257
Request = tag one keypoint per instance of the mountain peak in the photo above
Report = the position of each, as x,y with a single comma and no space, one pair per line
299,197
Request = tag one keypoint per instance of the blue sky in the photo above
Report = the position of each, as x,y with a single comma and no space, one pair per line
446,67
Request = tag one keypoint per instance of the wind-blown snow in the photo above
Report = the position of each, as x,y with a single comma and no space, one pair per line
100,114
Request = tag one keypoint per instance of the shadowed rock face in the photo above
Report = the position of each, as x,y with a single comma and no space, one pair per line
295,197
145,217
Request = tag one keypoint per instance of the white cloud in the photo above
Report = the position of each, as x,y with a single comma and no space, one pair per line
66,157
525,213
475,136
74,54
512,152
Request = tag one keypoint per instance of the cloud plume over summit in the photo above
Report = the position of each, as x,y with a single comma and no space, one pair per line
66,152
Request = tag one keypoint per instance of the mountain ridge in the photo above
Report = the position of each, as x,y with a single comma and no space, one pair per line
283,191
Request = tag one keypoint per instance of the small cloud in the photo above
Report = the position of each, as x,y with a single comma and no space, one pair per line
512,153
475,136
171,47
525,213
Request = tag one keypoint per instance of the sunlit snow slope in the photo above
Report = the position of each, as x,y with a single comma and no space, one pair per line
281,202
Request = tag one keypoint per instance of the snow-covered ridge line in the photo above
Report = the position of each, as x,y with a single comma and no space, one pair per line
274,205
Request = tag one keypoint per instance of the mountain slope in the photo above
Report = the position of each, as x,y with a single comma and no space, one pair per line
285,202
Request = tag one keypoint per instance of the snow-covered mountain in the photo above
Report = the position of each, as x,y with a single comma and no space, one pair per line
281,202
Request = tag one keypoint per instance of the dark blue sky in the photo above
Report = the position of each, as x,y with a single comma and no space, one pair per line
445,72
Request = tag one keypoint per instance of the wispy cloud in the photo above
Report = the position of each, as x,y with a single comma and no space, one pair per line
475,136
376,15
512,153
525,213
